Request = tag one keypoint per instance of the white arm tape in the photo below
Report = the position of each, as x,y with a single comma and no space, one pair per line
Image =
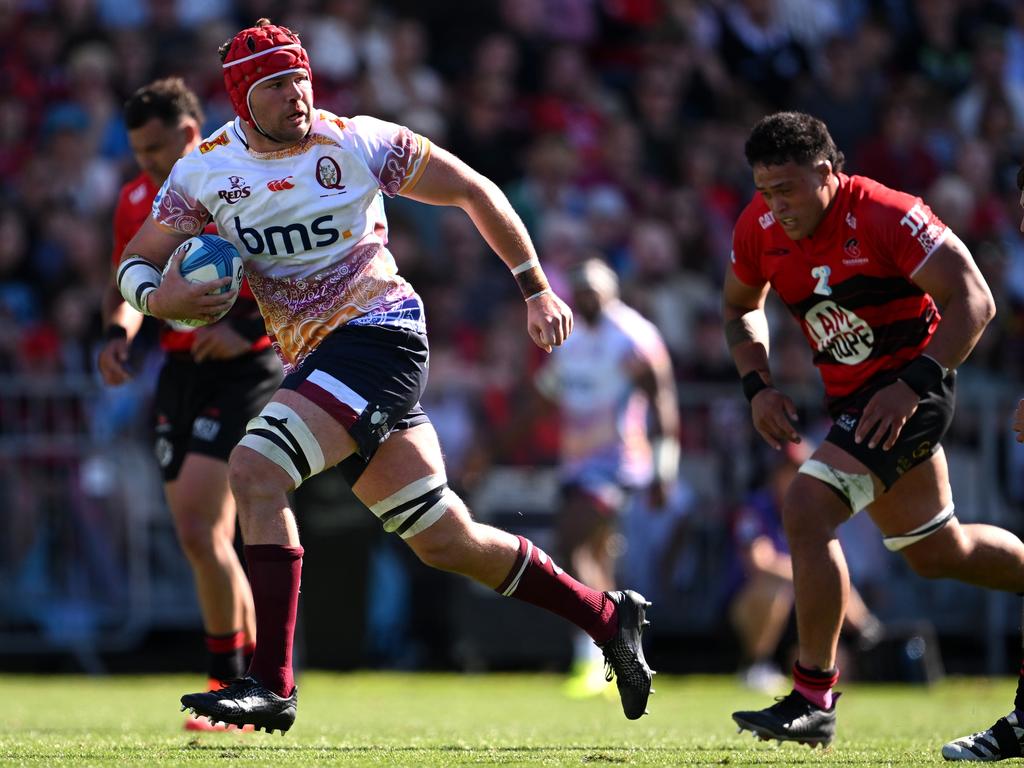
136,279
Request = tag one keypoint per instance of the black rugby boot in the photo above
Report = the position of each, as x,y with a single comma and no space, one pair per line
792,718
624,653
245,702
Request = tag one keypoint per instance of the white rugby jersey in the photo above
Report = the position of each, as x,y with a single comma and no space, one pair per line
592,377
308,221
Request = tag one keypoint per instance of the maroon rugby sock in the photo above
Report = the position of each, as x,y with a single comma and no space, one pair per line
815,685
536,579
274,573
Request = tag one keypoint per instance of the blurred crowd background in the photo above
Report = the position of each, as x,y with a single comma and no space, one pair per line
616,127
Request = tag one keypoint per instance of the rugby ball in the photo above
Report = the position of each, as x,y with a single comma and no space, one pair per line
206,258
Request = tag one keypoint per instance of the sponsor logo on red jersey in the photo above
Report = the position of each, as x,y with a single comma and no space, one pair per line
838,331
916,220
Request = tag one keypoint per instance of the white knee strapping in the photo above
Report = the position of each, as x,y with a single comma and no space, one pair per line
415,507
896,543
858,490
280,434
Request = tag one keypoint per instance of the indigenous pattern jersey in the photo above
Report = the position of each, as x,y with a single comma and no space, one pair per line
592,377
308,221
849,285
134,205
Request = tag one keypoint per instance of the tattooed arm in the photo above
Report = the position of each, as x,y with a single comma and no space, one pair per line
746,330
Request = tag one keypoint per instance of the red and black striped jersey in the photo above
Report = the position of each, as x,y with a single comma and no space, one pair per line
849,284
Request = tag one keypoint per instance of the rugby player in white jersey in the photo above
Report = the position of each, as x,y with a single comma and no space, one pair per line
613,385
299,192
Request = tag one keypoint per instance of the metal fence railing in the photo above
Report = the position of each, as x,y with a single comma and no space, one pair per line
89,562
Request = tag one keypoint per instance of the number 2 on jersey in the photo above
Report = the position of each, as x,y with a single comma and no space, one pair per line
822,274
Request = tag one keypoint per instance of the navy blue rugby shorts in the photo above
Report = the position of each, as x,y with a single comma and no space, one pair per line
370,379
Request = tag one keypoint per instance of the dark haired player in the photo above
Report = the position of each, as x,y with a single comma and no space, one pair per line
865,270
299,191
212,382
1005,739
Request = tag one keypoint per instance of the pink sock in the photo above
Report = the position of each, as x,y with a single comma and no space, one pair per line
536,579
274,574
815,685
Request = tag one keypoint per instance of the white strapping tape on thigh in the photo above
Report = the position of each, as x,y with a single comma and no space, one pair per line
415,507
859,490
896,543
280,434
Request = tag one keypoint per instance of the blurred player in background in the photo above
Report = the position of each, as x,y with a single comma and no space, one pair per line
864,270
1005,738
609,379
352,335
212,382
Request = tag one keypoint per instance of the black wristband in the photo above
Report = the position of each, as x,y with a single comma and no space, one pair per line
115,331
923,374
752,384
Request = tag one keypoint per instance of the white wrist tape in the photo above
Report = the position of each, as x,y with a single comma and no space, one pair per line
136,279
529,264
666,459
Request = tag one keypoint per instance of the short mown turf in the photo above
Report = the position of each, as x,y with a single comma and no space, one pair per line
478,720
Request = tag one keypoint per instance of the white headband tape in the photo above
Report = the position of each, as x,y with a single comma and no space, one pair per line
260,53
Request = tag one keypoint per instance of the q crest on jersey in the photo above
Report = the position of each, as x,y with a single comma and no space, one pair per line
328,175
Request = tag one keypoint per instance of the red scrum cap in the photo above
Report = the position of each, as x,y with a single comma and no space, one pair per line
256,54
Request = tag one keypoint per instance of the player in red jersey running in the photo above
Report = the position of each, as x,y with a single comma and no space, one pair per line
1005,739
212,382
863,269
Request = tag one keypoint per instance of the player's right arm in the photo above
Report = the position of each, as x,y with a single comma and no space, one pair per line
746,331
169,296
120,322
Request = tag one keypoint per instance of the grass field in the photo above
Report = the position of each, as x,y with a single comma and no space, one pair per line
487,720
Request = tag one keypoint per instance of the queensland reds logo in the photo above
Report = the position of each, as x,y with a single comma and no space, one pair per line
239,190
328,173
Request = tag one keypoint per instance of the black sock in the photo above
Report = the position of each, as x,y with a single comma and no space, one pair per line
226,659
